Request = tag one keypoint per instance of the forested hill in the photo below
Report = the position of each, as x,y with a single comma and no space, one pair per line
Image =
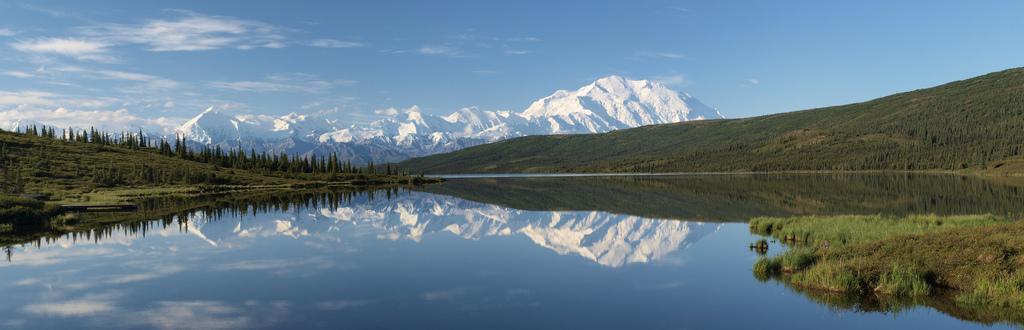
45,161
972,124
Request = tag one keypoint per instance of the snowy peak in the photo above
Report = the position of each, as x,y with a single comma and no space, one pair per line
210,126
607,104
615,102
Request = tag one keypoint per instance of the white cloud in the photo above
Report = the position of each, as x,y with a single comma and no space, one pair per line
442,295
71,308
26,98
331,43
440,51
675,79
395,111
149,81
282,83
80,49
34,108
517,51
19,74
337,305
664,55
386,112
7,32
85,306
191,32
156,272
194,315
751,82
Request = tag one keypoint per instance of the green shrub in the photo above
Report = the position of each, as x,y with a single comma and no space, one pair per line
766,267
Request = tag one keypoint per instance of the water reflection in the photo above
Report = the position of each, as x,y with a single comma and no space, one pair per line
608,239
492,254
740,197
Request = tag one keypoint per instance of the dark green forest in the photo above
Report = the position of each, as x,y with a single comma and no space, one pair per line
723,198
45,160
975,124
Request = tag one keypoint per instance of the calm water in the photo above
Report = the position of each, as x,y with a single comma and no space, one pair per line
598,253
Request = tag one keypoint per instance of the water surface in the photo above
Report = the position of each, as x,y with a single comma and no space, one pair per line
599,253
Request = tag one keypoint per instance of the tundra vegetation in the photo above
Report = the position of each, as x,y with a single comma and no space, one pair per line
970,266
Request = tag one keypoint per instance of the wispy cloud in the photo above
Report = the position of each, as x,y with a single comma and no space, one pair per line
674,79
337,305
443,295
80,49
85,306
194,315
64,117
282,83
156,272
191,32
26,98
392,111
662,55
436,50
62,111
4,32
750,82
332,43
147,81
517,51
19,74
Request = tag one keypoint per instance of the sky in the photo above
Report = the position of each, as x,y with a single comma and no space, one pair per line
156,64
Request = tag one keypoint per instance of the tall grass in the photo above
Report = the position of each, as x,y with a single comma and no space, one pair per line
977,258
905,279
766,267
859,228
797,259
1003,291
835,277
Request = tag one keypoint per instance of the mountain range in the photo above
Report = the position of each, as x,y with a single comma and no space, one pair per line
608,104
967,125
608,239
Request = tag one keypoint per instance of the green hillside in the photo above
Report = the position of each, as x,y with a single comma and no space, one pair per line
973,124
84,170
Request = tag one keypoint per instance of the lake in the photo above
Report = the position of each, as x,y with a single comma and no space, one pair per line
650,252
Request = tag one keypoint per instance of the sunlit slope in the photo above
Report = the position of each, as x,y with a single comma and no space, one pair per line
976,123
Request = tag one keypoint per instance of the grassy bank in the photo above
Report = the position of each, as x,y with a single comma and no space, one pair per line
973,262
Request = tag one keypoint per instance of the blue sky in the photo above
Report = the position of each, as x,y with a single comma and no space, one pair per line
158,63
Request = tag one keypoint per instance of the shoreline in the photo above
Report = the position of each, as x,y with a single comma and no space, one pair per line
637,174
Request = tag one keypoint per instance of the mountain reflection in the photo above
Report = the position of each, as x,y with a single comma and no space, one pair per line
608,239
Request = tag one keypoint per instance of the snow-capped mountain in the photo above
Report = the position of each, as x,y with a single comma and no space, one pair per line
607,104
612,103
608,239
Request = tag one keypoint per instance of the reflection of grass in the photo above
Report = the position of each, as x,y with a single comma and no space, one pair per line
1003,291
974,263
18,209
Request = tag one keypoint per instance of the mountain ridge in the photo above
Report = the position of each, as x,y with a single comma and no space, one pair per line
970,124
607,104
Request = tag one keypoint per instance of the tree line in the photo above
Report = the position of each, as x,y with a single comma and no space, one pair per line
232,158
